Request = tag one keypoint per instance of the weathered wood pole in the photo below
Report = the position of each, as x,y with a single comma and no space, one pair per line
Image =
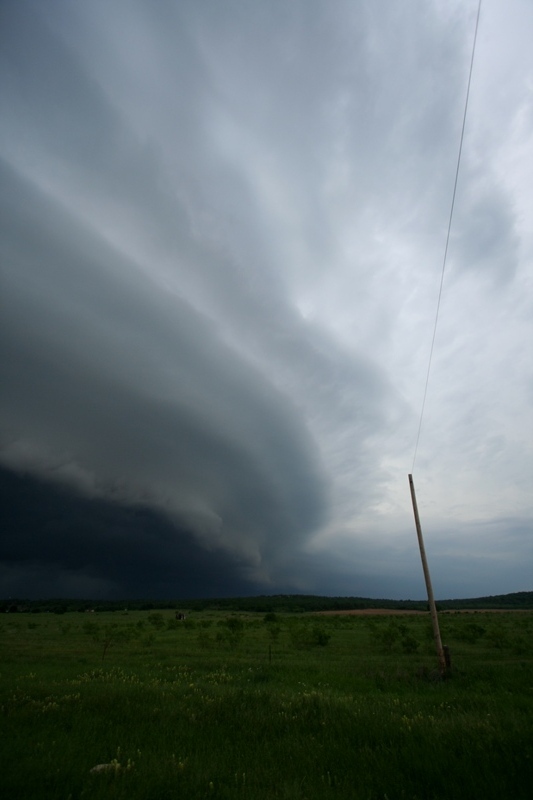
432,608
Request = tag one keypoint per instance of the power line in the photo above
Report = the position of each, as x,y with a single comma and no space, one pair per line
447,237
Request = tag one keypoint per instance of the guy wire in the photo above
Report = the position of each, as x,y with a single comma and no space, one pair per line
447,237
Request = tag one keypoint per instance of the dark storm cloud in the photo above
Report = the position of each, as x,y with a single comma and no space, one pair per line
59,543
128,392
218,231
134,388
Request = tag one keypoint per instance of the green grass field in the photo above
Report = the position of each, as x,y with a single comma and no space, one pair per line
254,706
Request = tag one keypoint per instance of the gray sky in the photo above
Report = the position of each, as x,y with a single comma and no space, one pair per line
223,229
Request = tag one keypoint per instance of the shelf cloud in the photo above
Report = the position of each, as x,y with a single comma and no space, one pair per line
222,233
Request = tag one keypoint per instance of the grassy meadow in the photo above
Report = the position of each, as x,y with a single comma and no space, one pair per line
264,706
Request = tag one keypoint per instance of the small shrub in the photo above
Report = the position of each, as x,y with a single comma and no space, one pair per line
519,645
303,638
157,620
106,636
273,632
235,633
498,637
90,629
471,632
409,644
204,640
299,637
388,636
319,637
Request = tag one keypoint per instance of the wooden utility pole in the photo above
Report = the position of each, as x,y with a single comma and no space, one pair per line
443,661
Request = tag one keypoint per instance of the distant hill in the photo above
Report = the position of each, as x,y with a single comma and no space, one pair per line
516,600
293,603
302,603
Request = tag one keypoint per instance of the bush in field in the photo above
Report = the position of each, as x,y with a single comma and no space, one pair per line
273,631
235,627
272,626
299,638
107,636
471,632
519,646
204,640
232,631
409,644
147,640
303,638
389,636
157,620
393,635
91,629
319,637
498,637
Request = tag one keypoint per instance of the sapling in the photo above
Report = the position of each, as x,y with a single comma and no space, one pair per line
106,636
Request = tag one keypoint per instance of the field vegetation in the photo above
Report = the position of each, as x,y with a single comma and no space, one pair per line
139,704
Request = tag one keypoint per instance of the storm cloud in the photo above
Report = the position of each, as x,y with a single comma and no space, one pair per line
222,229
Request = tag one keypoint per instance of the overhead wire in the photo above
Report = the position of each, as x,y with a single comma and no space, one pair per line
447,238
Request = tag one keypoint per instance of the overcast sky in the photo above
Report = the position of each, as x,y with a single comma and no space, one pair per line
222,235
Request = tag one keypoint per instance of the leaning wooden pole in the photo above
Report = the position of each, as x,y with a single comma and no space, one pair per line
443,667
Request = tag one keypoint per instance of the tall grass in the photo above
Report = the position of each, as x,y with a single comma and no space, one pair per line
213,708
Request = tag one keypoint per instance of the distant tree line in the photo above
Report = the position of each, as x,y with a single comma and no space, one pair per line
291,603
